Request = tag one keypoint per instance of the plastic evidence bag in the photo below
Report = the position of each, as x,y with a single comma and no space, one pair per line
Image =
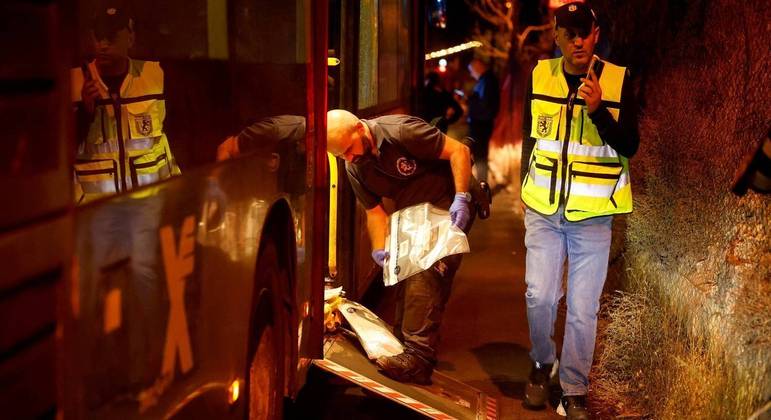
417,237
374,334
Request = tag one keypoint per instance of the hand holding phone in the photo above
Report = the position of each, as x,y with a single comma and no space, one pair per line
89,93
597,65
86,71
590,90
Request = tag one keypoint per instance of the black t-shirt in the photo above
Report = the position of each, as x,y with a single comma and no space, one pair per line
408,169
114,83
574,80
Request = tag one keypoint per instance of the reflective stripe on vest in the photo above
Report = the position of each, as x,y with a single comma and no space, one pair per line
569,152
111,146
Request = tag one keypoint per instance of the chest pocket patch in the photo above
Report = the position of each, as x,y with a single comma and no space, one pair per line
544,125
405,166
143,124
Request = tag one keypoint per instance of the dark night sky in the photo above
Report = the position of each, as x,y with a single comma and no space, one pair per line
461,20
459,26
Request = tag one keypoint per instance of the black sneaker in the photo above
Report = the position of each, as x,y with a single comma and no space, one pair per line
575,407
537,389
406,367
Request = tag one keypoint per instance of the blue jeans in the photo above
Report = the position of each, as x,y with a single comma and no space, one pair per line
586,244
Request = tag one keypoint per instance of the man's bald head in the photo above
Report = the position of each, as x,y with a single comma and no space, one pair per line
342,126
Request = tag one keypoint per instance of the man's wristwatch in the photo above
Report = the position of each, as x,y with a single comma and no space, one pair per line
466,195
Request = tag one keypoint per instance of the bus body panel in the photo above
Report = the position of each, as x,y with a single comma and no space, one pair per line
165,286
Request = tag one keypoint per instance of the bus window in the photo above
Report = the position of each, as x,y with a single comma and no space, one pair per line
182,76
384,54
368,54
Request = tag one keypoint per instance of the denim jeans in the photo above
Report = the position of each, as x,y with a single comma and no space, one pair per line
119,247
586,244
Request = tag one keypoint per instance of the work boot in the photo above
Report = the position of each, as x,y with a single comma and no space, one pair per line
574,407
406,367
537,390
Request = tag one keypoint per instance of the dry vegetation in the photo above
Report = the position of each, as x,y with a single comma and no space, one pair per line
690,337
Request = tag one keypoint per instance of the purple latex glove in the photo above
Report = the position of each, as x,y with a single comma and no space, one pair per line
459,211
379,255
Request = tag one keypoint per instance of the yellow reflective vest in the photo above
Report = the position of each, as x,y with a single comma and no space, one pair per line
570,163
126,146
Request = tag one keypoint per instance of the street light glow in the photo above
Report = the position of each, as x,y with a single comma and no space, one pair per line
453,50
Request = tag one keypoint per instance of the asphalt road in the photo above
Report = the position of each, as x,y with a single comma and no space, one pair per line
484,334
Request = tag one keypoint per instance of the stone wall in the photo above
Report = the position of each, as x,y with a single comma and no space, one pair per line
698,258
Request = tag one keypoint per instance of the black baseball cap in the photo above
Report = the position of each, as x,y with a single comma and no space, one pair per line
576,16
109,19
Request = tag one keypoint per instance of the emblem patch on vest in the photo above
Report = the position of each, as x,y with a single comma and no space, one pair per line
543,125
406,166
144,124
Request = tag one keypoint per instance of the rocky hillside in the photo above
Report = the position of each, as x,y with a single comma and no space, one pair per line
691,336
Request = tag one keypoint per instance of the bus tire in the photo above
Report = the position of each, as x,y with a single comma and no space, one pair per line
267,378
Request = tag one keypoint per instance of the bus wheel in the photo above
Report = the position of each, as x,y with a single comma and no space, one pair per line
266,369
266,385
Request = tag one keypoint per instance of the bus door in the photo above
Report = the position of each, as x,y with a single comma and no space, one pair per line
377,47
445,398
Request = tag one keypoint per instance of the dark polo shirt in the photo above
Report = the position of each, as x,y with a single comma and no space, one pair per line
408,169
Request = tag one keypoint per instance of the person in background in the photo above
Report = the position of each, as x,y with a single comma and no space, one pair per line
483,106
439,106
579,131
404,159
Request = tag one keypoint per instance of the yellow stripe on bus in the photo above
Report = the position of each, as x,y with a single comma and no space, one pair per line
333,179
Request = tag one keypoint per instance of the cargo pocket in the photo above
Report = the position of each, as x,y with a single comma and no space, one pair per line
591,186
543,172
97,176
149,168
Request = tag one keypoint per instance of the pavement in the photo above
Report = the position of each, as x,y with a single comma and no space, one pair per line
484,335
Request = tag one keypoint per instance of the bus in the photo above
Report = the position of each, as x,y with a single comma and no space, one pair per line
200,295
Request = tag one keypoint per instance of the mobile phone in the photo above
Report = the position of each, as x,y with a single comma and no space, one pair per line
86,72
597,65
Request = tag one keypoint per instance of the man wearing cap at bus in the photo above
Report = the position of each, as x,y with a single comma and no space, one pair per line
121,110
409,161
579,132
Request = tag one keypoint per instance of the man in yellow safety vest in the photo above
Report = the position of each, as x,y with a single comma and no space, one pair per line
120,111
579,131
